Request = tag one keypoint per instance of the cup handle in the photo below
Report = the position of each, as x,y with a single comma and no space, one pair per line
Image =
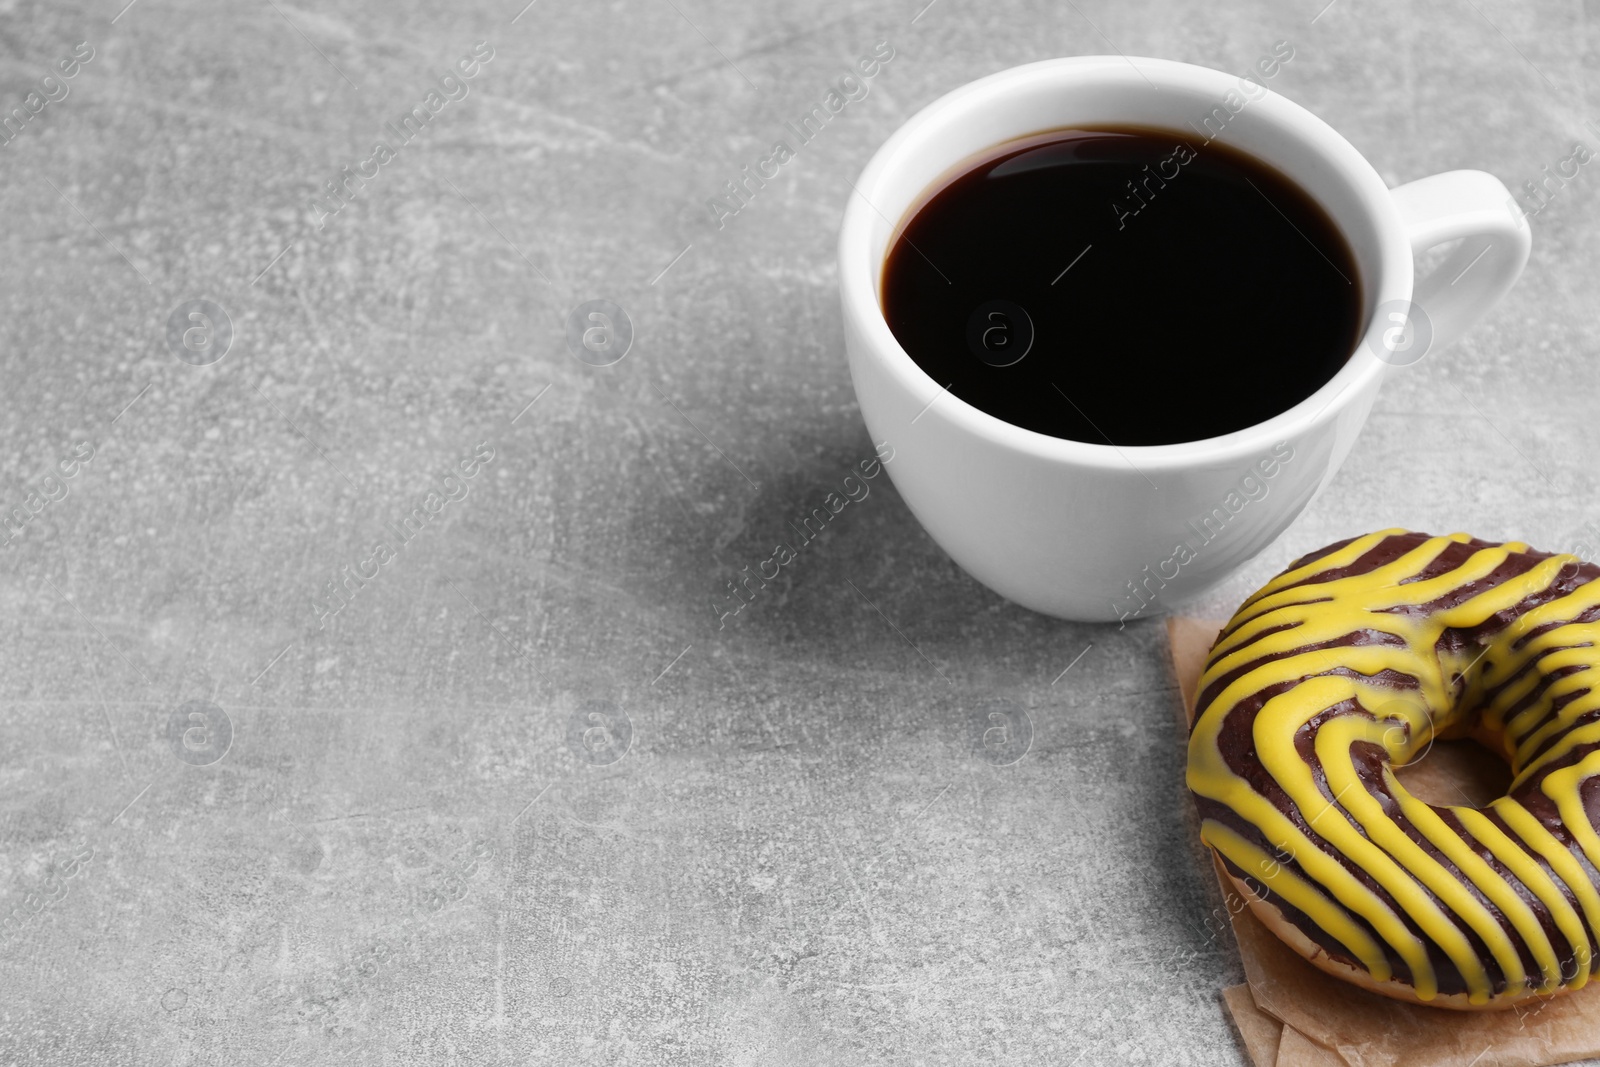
1496,238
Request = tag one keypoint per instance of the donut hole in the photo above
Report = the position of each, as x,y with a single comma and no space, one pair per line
1456,772
1464,763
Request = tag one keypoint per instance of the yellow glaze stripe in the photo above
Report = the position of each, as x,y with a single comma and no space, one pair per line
1544,888
1330,810
1325,869
1408,868
1482,875
1297,892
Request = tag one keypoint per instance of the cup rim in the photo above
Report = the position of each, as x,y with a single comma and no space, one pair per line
859,271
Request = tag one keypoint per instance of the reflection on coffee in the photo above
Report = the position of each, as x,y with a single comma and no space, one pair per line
1124,285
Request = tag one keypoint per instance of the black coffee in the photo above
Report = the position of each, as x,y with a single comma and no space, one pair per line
1132,286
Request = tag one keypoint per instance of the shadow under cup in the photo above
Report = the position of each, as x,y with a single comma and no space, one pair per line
1094,531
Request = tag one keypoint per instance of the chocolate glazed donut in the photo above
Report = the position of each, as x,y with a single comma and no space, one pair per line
1349,664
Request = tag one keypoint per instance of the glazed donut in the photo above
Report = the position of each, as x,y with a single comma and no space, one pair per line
1349,664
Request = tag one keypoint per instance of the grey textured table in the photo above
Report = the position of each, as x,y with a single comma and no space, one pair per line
243,821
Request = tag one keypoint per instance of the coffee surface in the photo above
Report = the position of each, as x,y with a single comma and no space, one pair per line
1128,286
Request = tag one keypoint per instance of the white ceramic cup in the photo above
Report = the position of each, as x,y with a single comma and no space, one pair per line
1102,533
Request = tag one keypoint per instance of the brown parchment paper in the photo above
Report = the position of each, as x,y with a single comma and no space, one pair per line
1289,1014
1260,1032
